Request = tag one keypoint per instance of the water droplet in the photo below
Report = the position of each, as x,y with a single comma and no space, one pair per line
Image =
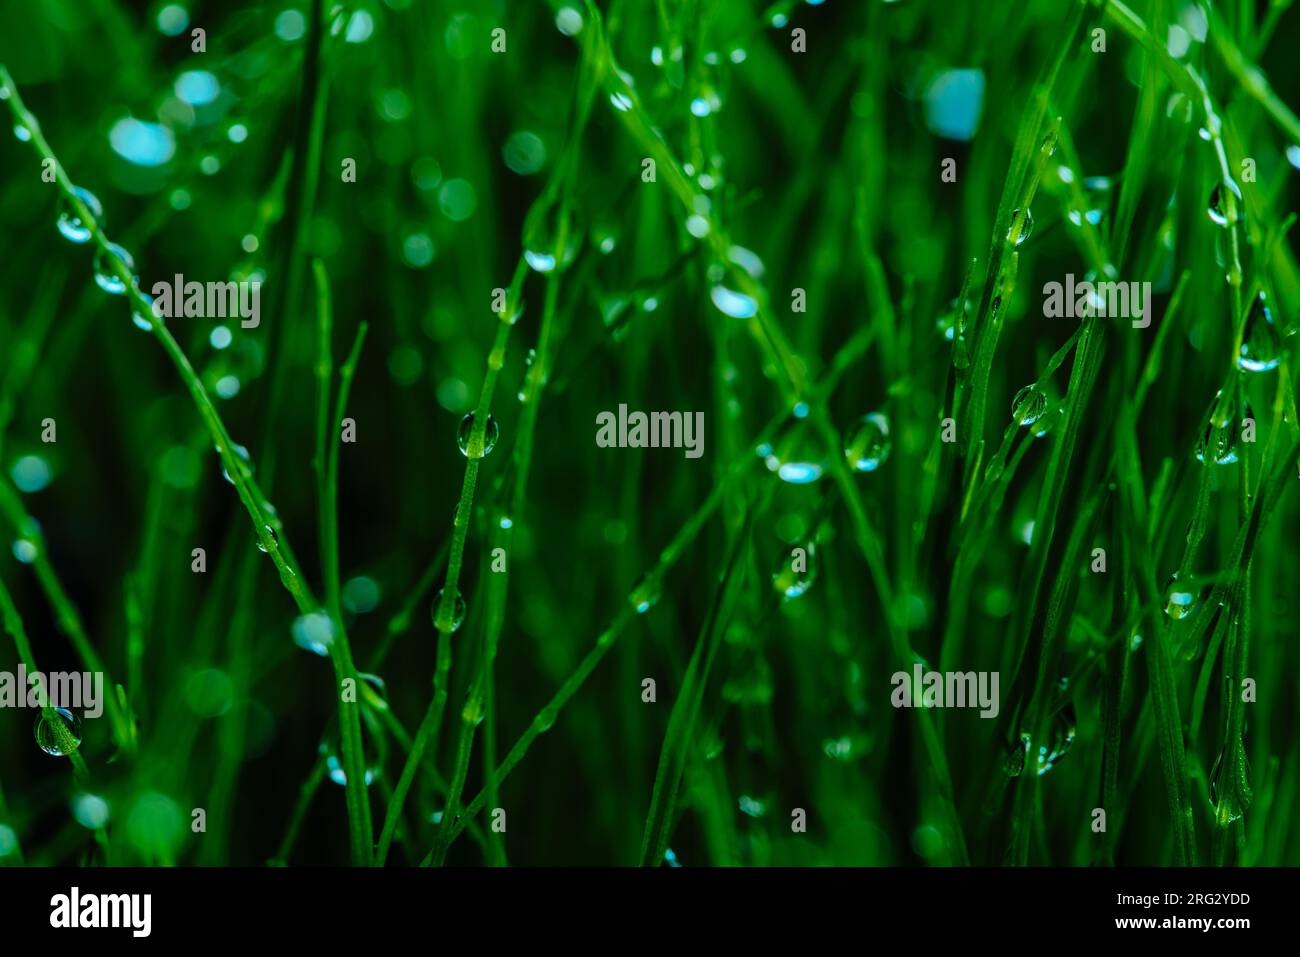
799,473
314,632
751,807
330,747
1063,734
1014,763
1218,445
953,321
870,446
58,741
747,260
1029,405
457,611
106,276
645,594
621,102
90,810
542,233
1261,348
69,222
732,303
1180,600
1226,206
139,319
796,571
463,435
261,545
30,473
1022,225
245,463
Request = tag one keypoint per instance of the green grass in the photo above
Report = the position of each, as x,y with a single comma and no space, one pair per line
585,570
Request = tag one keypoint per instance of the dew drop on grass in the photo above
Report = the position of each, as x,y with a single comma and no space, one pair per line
1022,226
796,573
799,473
1064,729
747,260
490,436
1261,347
1218,444
457,611
1014,763
645,594
140,320
245,463
313,632
870,446
261,546
1180,600
51,740
69,221
1225,207
732,303
106,276
542,248
1029,405
334,763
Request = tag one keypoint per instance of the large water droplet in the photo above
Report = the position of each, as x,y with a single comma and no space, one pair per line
796,572
799,473
870,445
106,276
732,303
69,222
314,632
55,741
1022,225
645,594
138,317
1013,765
457,611
1180,600
245,463
1226,205
542,240
490,435
1218,445
333,752
1029,405
1261,347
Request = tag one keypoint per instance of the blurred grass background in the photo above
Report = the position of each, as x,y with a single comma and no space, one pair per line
819,171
